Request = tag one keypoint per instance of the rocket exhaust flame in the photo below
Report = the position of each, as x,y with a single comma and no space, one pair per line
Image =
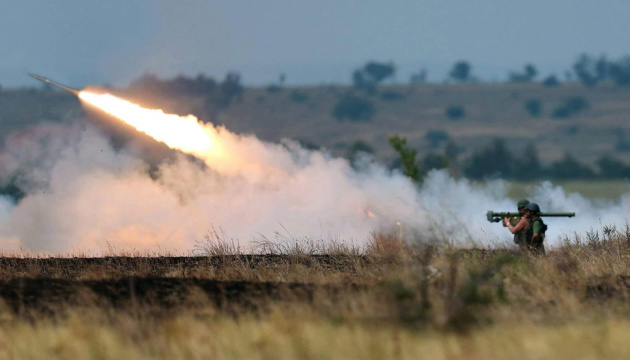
184,133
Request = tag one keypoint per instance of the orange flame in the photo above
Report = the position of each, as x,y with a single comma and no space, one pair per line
370,214
183,133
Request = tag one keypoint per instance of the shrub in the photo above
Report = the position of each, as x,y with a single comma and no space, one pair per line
612,168
455,112
551,81
372,74
570,168
353,108
358,147
436,137
494,160
460,72
408,161
570,107
533,107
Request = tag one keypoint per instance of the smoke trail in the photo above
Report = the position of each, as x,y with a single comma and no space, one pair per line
82,195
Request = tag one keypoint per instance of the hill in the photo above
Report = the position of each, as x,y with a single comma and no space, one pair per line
586,122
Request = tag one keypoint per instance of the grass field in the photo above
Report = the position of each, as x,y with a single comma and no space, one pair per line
390,302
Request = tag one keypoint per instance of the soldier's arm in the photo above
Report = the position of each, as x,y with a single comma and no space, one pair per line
520,226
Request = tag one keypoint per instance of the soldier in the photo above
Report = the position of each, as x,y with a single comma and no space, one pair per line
517,226
537,229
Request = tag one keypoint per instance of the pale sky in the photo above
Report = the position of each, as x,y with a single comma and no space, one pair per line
312,41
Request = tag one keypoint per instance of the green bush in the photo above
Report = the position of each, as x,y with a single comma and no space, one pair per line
455,112
570,107
533,107
353,108
551,81
436,137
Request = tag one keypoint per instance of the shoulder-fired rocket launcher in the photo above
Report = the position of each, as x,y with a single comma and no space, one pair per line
494,216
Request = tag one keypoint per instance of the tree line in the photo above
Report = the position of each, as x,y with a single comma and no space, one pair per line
496,161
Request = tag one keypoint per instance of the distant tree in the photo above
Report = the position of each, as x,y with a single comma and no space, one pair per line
179,86
570,107
230,89
570,168
432,161
371,74
533,107
495,160
621,144
452,151
620,71
461,71
378,72
527,166
361,82
585,69
358,147
455,112
353,108
407,155
591,70
529,74
551,81
436,137
612,168
602,68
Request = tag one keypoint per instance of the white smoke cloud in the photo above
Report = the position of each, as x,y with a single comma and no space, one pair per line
86,197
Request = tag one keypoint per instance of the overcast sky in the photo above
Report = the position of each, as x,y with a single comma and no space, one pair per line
311,41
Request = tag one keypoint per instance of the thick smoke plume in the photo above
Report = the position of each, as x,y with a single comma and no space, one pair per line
84,196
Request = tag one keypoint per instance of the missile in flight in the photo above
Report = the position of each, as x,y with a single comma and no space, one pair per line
55,84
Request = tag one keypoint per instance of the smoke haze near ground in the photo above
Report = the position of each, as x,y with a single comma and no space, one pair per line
83,196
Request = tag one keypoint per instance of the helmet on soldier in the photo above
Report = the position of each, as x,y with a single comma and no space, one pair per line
533,207
522,203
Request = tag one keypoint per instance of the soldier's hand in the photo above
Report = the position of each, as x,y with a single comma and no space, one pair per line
505,221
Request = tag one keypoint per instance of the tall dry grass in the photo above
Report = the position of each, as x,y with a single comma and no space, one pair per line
307,301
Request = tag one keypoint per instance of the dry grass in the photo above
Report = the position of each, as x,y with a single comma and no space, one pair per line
302,302
279,337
